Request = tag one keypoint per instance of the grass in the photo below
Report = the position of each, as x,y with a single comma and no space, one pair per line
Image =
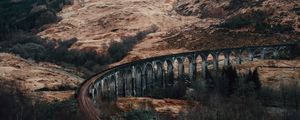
16,105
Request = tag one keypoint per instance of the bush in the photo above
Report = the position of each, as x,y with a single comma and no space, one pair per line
226,83
117,50
19,14
140,115
218,108
236,22
16,105
30,50
36,48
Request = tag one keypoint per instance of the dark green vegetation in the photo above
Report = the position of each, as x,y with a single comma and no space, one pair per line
118,50
137,115
238,4
229,95
15,105
27,14
33,47
241,97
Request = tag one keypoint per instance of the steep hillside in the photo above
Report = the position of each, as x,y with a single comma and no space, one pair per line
225,23
45,43
98,23
253,22
252,15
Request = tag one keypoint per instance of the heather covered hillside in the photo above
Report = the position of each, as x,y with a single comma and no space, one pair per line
48,48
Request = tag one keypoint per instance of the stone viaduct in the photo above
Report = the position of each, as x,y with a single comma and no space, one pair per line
137,78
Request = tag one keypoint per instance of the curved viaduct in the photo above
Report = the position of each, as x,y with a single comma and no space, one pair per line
139,77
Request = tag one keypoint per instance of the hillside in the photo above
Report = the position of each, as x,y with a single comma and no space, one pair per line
42,81
48,47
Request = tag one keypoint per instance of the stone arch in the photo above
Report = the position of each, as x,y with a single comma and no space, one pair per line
238,55
247,55
95,88
191,66
280,52
148,77
198,62
285,52
179,67
108,86
225,56
94,91
215,56
99,88
204,64
128,83
273,52
159,70
138,81
233,57
264,53
121,83
113,86
256,52
169,73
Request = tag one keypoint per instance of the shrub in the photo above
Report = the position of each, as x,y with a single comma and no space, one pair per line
230,109
117,50
236,22
17,105
30,50
140,115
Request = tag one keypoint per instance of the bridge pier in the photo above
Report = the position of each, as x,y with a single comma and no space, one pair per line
192,70
227,58
251,56
275,53
101,87
170,74
263,52
159,74
215,61
143,84
204,65
180,68
124,81
239,56
116,84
